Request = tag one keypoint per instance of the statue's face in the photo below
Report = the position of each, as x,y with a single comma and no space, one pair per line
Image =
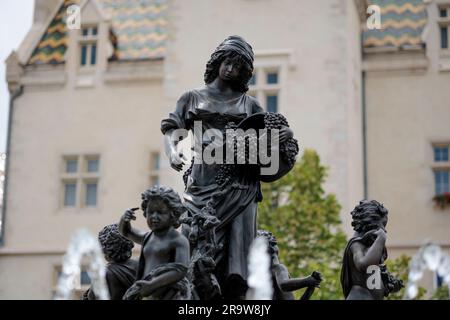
383,222
158,217
229,70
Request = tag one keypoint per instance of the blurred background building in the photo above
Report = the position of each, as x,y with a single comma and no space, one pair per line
86,106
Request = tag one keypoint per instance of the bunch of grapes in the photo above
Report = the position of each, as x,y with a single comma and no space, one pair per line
226,172
289,149
275,121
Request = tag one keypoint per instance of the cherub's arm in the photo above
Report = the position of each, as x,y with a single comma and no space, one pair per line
373,255
127,230
170,277
292,284
298,283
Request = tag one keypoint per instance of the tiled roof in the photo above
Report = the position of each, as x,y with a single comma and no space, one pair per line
138,31
402,24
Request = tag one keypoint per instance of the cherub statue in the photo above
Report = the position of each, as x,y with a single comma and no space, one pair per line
164,258
120,268
283,284
364,275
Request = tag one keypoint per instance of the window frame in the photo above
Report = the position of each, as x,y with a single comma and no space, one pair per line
444,22
262,89
90,40
439,165
81,178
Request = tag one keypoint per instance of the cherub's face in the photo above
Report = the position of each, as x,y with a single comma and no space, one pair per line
158,216
229,70
383,222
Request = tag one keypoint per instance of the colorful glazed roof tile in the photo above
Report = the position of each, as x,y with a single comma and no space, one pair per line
138,31
402,24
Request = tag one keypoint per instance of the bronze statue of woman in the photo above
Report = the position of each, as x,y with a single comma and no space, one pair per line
223,100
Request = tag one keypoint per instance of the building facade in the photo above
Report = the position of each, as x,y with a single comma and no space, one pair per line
86,106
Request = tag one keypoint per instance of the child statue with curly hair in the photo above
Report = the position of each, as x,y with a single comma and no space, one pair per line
120,268
364,275
164,258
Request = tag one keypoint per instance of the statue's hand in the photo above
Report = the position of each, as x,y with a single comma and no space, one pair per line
177,160
145,288
129,215
132,293
380,234
314,281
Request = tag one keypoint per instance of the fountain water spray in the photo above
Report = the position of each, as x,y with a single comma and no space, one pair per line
260,278
430,257
83,245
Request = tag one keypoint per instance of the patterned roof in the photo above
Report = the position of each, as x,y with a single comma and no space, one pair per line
138,31
402,23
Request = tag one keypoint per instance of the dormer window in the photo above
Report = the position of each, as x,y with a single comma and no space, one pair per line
444,26
88,46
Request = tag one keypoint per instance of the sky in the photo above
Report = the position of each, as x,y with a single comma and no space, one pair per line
16,17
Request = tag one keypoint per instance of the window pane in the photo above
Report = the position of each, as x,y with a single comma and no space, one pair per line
92,165
83,55
438,177
441,154
91,194
85,31
443,13
70,194
71,166
272,103
93,54
84,278
94,31
252,81
441,181
445,154
437,154
444,37
272,78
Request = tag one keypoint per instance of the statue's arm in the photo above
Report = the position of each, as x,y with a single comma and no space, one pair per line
174,130
294,284
127,230
287,284
372,256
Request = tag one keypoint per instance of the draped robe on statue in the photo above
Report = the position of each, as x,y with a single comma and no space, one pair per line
236,205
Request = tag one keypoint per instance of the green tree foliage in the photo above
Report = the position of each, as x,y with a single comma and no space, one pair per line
306,223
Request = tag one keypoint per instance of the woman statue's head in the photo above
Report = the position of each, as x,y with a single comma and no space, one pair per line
233,51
